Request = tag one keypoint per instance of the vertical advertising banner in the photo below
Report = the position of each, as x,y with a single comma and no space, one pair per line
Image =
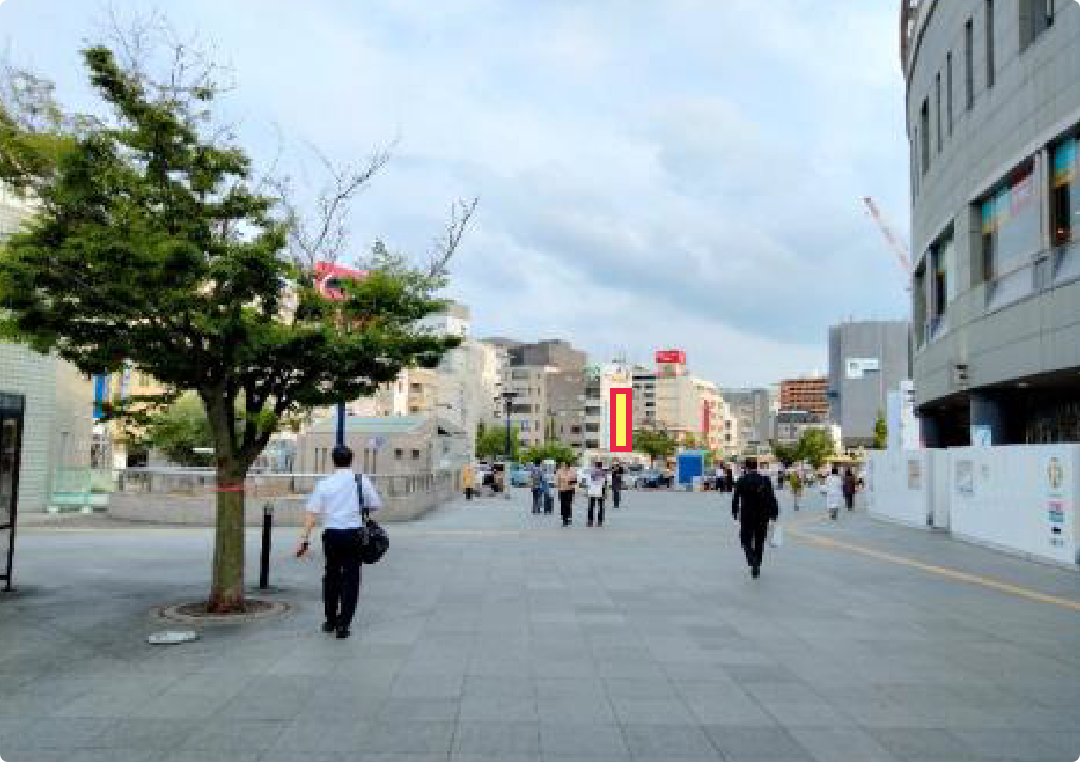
620,436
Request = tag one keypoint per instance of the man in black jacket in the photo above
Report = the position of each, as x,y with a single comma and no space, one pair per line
754,505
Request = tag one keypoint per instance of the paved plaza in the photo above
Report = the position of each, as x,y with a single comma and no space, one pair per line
488,633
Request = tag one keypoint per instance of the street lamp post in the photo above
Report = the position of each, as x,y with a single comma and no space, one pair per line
340,423
508,398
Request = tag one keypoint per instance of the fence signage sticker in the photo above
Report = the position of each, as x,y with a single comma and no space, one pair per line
1056,501
965,477
914,474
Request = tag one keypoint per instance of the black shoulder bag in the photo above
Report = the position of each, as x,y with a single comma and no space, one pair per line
374,542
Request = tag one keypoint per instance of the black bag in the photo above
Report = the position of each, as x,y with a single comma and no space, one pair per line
374,541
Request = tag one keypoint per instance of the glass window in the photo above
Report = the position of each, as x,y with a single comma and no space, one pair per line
399,454
1064,199
924,131
989,43
945,282
948,91
416,455
1010,225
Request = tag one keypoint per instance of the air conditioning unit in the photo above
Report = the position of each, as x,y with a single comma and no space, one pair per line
960,375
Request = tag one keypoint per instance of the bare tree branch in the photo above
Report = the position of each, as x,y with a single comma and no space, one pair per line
447,244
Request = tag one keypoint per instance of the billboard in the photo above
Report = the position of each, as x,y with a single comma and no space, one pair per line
621,436
671,357
858,367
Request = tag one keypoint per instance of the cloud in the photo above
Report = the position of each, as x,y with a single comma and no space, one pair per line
682,173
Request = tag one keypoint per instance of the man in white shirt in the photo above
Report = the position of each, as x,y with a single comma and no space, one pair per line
335,503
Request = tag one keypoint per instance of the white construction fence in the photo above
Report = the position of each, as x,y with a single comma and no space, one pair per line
1019,499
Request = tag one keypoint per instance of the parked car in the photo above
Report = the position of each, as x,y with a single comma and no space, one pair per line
652,479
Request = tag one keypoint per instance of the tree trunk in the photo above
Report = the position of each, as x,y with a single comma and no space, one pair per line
227,584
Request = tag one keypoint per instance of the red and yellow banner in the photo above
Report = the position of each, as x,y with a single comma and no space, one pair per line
621,437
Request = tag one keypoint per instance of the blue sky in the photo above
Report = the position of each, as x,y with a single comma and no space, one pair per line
651,173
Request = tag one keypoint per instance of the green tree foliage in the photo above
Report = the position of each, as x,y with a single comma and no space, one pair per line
658,445
491,444
181,429
556,451
154,244
690,441
786,453
816,446
881,433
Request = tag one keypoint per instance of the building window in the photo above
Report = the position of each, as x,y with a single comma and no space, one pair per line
399,454
1064,199
919,303
924,130
943,264
1036,16
969,62
937,106
989,43
416,455
1010,225
592,428
948,91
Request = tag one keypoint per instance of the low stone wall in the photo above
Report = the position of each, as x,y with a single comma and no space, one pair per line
200,509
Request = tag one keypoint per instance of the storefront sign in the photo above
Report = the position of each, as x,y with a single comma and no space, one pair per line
858,367
671,357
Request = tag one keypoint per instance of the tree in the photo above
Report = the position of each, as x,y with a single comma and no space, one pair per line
180,430
881,433
655,444
556,451
786,453
491,444
153,245
816,446
689,441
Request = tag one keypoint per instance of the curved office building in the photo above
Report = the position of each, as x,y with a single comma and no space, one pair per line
993,110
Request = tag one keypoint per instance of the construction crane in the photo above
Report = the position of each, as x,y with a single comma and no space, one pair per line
895,242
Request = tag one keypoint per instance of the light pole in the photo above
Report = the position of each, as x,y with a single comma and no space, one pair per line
508,398
340,423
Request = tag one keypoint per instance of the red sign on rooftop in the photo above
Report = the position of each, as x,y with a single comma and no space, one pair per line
671,357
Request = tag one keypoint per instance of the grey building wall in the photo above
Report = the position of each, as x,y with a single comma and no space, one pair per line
752,409
1025,322
556,353
857,399
566,406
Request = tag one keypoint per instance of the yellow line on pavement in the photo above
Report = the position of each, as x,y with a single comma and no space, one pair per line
941,571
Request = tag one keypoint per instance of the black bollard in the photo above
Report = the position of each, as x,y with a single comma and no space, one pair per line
264,561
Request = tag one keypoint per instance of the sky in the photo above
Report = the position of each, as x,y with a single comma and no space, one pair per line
651,174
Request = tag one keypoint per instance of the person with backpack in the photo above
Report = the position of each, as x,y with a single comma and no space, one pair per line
341,503
754,505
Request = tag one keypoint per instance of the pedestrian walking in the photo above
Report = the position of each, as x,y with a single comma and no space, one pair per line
754,505
468,480
549,489
850,486
833,489
340,502
617,476
597,486
566,482
536,481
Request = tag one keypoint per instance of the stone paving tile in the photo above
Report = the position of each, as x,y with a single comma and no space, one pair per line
669,742
485,646
497,739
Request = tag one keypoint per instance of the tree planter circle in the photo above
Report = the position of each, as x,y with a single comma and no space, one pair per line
196,613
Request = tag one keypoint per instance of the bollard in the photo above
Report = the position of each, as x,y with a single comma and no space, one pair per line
264,561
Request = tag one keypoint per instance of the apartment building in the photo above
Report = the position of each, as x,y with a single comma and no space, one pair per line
809,394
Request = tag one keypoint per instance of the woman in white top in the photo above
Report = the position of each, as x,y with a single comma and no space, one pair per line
596,487
833,488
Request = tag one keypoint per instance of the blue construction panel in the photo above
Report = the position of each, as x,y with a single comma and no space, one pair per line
689,465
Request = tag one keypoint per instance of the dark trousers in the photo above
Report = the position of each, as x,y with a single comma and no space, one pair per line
616,495
538,497
752,534
849,500
341,582
468,493
566,504
595,502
